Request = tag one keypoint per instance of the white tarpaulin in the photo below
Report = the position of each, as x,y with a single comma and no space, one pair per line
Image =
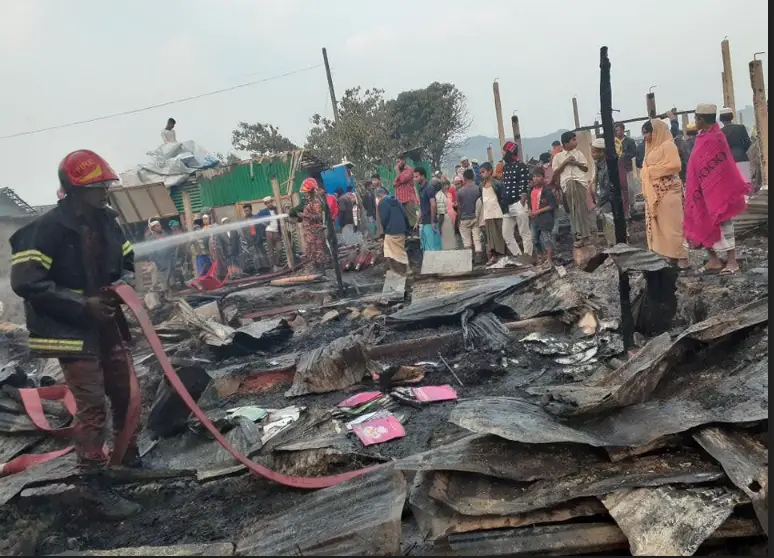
172,164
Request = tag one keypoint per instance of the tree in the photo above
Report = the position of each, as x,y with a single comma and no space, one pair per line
260,139
362,134
434,118
228,159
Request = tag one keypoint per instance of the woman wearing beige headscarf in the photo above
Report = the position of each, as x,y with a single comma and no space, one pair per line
663,192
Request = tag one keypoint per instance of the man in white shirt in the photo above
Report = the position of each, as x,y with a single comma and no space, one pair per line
571,167
168,134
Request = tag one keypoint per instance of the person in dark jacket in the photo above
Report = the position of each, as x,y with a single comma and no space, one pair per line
63,265
514,200
396,226
738,140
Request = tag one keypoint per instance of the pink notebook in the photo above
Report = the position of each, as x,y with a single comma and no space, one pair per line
360,399
379,430
428,394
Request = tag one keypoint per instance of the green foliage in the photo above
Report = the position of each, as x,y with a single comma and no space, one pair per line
434,118
362,134
260,139
372,131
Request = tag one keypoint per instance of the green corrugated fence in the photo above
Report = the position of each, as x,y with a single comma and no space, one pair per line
248,181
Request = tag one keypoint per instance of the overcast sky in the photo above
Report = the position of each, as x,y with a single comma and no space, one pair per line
69,60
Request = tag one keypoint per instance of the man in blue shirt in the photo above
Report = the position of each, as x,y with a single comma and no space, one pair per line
429,236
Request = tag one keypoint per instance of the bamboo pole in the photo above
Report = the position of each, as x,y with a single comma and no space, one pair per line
188,211
285,233
761,107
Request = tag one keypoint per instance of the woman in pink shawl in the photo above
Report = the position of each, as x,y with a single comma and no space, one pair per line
714,194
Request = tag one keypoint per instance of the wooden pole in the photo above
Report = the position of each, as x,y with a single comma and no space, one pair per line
650,104
606,110
575,114
761,108
286,240
728,77
499,113
517,135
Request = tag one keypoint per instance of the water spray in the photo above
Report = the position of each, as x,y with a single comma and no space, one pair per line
156,244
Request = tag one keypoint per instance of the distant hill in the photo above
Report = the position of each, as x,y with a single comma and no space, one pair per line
475,148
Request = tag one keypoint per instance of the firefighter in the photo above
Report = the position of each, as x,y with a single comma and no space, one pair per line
62,265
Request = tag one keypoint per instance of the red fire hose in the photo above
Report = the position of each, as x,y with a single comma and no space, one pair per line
31,398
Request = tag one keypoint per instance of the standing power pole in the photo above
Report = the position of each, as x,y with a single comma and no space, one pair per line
619,218
728,77
499,112
330,86
575,113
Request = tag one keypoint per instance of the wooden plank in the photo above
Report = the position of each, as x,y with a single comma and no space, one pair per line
745,461
478,495
670,521
436,520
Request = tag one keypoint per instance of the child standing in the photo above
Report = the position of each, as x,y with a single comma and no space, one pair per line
544,205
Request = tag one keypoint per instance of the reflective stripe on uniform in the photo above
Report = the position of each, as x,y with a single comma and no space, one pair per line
32,256
126,247
43,344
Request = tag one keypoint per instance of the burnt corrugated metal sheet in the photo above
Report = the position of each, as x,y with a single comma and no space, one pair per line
55,470
358,518
756,214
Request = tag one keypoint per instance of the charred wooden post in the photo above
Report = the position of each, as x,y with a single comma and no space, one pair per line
575,114
728,77
606,111
650,104
517,135
761,107
499,112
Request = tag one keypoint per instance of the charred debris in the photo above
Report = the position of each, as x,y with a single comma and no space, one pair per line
498,410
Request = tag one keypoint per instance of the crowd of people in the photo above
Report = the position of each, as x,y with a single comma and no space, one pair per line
693,182
511,208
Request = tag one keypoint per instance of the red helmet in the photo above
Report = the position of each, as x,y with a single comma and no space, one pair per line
85,169
309,185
